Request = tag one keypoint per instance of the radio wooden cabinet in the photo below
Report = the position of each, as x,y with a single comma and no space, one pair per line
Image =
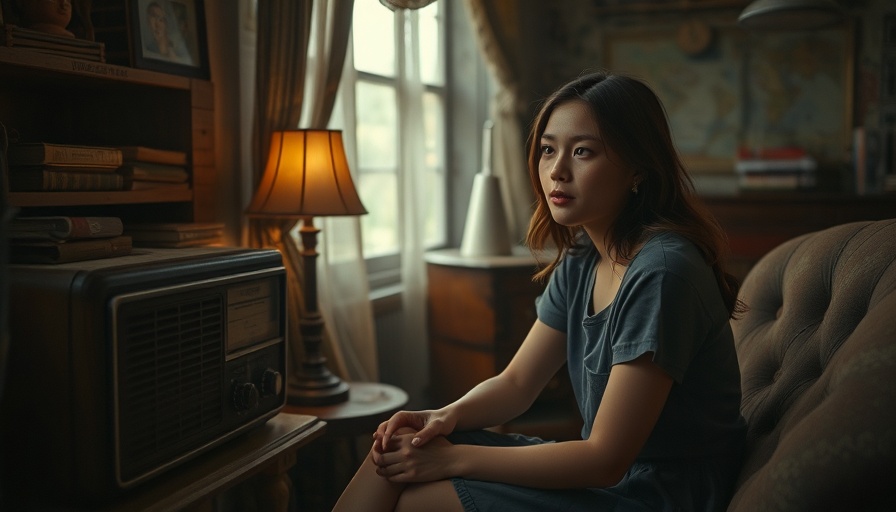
480,310
48,98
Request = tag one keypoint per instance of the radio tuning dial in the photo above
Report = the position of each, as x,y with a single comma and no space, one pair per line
245,396
271,382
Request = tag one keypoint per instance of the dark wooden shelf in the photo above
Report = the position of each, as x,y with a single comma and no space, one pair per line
757,222
32,199
52,98
36,65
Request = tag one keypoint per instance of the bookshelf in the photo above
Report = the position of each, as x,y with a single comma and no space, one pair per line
49,98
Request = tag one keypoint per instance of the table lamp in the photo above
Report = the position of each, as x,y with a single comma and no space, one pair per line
307,176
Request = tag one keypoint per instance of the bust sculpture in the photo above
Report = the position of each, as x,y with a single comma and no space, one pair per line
51,16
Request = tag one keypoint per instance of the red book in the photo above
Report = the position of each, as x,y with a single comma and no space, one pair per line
64,228
67,251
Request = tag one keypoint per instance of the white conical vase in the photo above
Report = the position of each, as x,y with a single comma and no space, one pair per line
485,231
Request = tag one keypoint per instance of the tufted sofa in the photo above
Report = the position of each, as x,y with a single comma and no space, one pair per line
818,367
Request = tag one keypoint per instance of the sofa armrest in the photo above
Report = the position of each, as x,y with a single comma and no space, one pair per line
817,350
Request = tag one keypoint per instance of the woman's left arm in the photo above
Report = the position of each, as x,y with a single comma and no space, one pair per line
635,395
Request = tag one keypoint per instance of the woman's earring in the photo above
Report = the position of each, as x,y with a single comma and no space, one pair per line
635,188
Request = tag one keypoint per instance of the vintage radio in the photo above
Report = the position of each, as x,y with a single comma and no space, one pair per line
122,368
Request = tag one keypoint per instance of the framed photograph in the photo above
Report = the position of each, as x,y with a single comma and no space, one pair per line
169,36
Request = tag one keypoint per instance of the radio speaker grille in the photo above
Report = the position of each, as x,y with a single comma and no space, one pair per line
170,379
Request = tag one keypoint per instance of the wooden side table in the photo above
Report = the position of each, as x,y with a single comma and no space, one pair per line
256,464
337,457
480,311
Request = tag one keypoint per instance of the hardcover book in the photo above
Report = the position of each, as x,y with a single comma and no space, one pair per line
68,251
154,172
66,168
43,153
44,42
155,185
175,231
51,180
64,228
153,155
197,242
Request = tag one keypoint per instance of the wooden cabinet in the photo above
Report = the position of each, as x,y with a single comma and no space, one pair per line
48,98
250,471
480,310
757,223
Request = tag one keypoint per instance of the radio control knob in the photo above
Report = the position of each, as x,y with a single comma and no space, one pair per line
245,396
271,382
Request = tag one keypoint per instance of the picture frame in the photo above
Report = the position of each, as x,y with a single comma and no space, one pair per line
169,36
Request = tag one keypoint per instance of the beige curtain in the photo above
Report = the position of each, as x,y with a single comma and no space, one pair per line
284,40
497,24
343,289
284,30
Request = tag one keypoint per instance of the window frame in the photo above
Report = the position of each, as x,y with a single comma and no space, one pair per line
384,270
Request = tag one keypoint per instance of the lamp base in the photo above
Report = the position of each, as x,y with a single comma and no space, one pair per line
324,390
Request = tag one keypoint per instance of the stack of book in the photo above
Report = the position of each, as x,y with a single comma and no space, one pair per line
176,234
43,42
63,239
40,166
151,168
889,183
775,169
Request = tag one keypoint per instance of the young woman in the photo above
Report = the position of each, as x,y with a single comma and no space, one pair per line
638,304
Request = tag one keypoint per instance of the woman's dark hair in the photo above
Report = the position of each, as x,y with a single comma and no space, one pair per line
632,122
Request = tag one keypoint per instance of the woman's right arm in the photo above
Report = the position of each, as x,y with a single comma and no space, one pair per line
495,400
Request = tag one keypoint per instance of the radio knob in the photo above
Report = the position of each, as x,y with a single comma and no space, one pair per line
271,382
245,396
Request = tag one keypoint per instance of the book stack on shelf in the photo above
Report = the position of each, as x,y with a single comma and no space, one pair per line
176,234
41,167
44,42
775,169
889,184
150,168
64,239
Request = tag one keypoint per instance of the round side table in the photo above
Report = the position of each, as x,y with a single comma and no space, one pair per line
336,457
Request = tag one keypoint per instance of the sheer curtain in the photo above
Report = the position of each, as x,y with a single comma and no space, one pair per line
411,198
412,194
344,293
299,43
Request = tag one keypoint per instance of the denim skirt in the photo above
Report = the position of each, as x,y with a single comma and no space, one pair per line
667,486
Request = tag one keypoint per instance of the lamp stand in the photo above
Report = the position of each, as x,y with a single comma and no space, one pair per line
314,383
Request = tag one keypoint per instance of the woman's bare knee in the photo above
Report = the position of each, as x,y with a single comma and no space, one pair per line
438,496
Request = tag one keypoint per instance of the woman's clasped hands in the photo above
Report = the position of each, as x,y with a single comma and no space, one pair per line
410,447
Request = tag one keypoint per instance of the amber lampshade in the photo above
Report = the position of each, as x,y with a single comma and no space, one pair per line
307,176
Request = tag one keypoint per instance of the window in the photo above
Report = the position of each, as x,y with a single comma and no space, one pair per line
381,40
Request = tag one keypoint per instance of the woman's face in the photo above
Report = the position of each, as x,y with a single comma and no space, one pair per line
158,22
584,182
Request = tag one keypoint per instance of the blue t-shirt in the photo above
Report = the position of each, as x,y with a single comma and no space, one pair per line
668,303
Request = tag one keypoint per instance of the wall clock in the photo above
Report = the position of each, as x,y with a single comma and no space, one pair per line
694,36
